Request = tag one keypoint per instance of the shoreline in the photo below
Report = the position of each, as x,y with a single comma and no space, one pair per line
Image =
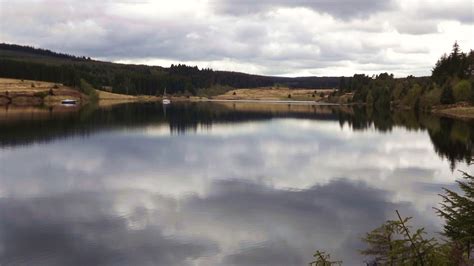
30,93
302,102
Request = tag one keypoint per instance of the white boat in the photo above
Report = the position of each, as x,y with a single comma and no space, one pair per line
69,102
165,99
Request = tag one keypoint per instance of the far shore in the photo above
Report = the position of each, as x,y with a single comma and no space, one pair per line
301,102
457,112
28,93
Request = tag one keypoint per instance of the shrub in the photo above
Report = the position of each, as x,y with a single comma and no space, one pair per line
41,94
412,96
447,96
88,90
431,98
213,90
370,99
462,91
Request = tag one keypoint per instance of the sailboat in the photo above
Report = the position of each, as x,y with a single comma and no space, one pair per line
165,99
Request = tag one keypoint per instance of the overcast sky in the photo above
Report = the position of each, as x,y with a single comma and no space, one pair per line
271,37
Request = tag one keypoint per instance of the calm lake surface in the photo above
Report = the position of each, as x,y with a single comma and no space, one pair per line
216,183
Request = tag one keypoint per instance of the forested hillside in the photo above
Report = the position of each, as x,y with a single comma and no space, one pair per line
452,81
23,62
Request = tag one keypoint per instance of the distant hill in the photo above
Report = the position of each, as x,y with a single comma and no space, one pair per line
25,62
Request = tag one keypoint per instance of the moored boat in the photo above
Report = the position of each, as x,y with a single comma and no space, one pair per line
69,102
165,99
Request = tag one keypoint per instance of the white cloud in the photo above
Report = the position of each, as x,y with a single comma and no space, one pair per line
276,38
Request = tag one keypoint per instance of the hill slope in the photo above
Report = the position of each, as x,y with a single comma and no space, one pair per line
25,62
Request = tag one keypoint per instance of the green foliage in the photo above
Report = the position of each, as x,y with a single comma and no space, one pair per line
458,211
359,83
369,99
381,243
447,96
431,98
41,94
382,97
383,90
88,90
134,79
321,258
398,91
413,94
394,244
455,65
462,91
213,90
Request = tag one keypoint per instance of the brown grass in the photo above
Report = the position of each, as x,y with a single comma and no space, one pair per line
464,112
269,93
25,86
107,99
23,93
32,92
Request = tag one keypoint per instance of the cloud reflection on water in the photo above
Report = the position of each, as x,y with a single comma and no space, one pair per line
265,193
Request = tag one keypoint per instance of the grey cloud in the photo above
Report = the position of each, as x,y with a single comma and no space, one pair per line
339,9
235,31
463,13
235,196
78,229
329,217
413,172
81,227
416,28
269,253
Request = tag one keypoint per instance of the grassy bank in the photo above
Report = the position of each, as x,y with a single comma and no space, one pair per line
32,93
108,98
18,92
460,111
274,93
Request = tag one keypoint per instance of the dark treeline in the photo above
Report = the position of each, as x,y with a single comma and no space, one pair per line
23,62
39,51
452,139
452,81
182,118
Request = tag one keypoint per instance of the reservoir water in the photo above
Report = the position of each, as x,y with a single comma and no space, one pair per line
216,183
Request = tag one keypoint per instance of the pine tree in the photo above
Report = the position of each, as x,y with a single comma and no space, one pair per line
323,259
447,96
458,211
393,243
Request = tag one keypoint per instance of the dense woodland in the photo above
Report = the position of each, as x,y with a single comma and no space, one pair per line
23,62
452,81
